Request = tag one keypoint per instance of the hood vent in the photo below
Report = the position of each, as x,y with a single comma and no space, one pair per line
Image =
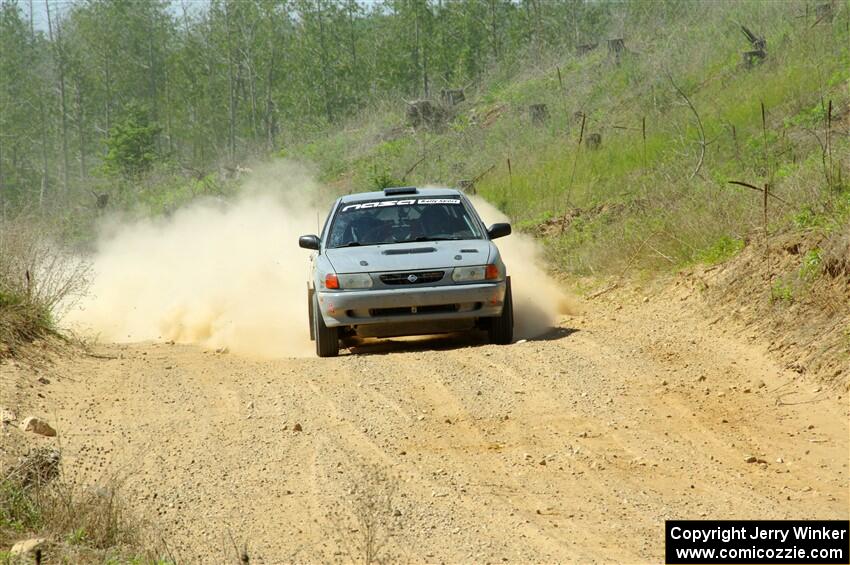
408,251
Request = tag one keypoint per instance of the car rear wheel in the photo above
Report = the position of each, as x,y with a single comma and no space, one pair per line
501,329
327,339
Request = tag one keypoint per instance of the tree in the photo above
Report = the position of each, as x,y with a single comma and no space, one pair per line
132,143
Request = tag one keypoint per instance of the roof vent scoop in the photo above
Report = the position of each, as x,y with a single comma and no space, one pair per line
392,191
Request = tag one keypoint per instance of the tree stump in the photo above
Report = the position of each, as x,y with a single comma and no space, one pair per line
424,113
452,96
823,13
593,141
616,48
586,48
758,43
752,58
101,201
539,114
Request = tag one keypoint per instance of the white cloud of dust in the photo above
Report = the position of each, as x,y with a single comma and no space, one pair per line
538,298
220,274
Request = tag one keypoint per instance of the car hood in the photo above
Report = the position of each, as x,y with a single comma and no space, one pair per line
410,256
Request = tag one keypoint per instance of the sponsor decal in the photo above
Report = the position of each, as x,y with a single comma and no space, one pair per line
403,202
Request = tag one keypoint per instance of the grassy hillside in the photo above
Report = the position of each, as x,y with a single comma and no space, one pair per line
645,198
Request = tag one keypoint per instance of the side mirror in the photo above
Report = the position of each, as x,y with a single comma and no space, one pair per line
499,230
309,242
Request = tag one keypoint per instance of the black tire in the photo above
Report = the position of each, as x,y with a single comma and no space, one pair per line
327,339
310,314
501,329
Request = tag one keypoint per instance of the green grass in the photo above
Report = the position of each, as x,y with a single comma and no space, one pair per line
781,291
811,267
722,250
19,511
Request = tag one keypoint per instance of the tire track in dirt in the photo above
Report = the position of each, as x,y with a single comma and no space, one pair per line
431,480
465,449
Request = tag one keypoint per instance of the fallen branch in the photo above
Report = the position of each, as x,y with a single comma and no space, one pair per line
758,189
672,262
599,293
573,173
410,170
470,185
702,142
615,284
100,356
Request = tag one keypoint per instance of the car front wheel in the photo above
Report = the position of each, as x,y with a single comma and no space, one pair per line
501,329
310,323
327,339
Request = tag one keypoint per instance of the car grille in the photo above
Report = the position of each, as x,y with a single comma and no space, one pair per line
412,278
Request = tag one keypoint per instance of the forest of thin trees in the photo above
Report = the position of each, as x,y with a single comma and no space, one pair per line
98,87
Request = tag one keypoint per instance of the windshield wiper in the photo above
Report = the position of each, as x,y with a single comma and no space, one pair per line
425,238
358,244
418,239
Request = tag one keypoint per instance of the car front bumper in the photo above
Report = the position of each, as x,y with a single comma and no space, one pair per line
447,302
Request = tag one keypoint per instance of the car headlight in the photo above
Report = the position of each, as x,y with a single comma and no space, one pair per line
477,273
355,280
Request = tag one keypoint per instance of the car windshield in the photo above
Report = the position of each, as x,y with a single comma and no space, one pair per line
402,221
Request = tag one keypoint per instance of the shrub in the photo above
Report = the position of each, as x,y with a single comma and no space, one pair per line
81,524
781,291
38,280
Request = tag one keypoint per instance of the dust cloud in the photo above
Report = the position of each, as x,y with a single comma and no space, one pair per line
229,274
220,274
538,298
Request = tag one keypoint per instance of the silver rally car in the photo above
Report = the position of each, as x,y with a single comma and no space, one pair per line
406,261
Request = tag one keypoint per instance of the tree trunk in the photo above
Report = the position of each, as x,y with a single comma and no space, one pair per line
108,106
252,92
154,109
2,175
42,119
324,51
231,136
494,35
417,46
423,52
270,116
352,40
81,130
62,101
168,124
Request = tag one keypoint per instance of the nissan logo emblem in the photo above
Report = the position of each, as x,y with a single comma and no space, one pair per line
412,278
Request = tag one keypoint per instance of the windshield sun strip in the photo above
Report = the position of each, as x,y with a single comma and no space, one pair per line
469,215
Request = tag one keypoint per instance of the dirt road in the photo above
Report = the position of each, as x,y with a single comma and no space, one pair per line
574,447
